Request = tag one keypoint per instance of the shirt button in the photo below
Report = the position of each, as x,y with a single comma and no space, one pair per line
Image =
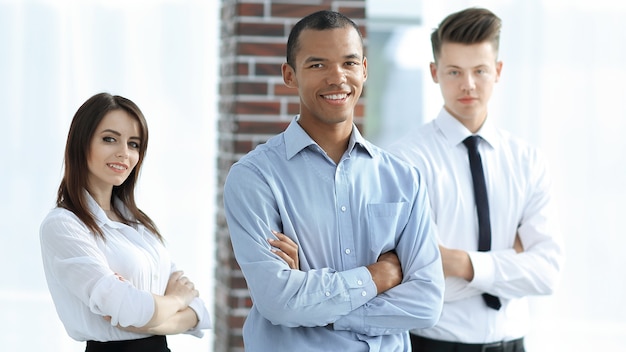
327,294
359,282
363,293
343,208
348,251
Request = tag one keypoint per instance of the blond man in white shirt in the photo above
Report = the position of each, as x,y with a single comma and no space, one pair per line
526,253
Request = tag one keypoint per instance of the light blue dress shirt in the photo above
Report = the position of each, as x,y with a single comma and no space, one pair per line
343,217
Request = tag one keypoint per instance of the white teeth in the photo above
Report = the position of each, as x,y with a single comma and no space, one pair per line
115,166
336,96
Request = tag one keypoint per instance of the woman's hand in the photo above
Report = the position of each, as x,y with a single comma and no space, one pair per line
182,288
287,249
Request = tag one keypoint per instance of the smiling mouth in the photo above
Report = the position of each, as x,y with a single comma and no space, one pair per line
117,167
337,97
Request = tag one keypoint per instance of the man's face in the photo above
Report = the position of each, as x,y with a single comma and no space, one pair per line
329,73
466,75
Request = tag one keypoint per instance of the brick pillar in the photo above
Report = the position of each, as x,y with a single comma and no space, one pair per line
254,105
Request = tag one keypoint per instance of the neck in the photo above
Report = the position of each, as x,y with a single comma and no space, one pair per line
102,198
332,138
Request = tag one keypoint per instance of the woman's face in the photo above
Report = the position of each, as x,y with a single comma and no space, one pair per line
113,151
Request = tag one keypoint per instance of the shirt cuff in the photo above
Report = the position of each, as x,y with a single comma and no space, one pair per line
204,319
361,287
484,270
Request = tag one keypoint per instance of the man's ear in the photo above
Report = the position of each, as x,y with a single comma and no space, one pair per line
498,70
433,72
364,69
289,76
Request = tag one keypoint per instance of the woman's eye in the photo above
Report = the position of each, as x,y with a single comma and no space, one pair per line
134,145
108,139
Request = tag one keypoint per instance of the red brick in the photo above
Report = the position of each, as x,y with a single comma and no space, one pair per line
243,69
261,29
242,147
355,13
257,108
261,49
238,282
264,69
252,10
296,11
255,127
251,88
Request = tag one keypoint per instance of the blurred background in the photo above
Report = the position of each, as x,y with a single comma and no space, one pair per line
562,88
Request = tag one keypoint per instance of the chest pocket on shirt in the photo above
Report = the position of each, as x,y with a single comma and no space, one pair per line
385,222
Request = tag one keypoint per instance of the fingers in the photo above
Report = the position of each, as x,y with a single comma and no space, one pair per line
518,246
287,249
390,256
175,275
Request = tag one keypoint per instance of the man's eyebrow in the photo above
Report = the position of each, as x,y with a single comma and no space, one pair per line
353,56
313,59
319,59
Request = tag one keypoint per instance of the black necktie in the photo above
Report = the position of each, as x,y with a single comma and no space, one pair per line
482,207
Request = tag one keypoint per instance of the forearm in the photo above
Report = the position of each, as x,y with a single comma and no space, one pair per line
416,303
165,308
180,322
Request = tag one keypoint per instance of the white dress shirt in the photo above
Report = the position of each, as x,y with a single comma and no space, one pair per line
90,278
520,201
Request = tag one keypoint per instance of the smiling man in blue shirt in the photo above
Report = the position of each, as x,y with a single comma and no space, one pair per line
369,268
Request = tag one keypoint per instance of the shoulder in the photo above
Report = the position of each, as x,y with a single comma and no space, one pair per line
265,151
519,149
61,221
417,146
395,164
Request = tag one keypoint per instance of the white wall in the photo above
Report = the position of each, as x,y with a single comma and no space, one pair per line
56,54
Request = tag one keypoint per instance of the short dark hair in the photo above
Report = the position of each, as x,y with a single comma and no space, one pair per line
470,26
321,20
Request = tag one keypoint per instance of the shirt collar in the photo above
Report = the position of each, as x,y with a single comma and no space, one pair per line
455,132
99,215
296,139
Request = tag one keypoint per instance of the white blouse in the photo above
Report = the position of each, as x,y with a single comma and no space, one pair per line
90,278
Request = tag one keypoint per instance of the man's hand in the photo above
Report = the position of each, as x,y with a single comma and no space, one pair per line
518,246
456,263
287,249
386,272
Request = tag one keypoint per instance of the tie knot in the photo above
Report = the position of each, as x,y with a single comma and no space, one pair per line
471,143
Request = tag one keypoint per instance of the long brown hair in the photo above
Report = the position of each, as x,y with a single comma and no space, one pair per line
71,194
